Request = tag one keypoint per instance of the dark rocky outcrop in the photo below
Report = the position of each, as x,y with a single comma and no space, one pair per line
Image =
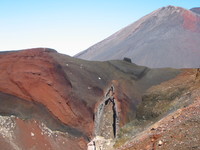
127,59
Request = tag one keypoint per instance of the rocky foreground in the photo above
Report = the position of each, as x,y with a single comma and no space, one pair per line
173,120
53,101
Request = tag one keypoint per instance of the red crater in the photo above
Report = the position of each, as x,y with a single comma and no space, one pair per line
34,75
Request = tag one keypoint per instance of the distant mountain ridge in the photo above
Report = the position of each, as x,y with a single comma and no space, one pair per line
196,10
167,37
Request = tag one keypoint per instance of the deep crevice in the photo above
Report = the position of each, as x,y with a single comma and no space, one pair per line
114,119
106,118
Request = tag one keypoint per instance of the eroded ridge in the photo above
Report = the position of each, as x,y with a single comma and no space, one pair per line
106,122
106,117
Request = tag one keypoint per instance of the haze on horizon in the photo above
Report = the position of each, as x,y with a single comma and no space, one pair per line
70,26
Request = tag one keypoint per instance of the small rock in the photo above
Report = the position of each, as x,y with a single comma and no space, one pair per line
160,143
153,129
32,134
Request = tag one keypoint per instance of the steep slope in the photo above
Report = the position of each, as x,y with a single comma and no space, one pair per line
167,37
51,101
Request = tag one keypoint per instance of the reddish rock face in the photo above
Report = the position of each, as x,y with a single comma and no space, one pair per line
34,76
123,103
191,21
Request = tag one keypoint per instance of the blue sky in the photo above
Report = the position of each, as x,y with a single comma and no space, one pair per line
70,26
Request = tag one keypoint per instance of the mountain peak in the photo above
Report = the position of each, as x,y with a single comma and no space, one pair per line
167,37
172,9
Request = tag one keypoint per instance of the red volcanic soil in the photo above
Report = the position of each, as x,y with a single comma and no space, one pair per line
34,76
33,134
